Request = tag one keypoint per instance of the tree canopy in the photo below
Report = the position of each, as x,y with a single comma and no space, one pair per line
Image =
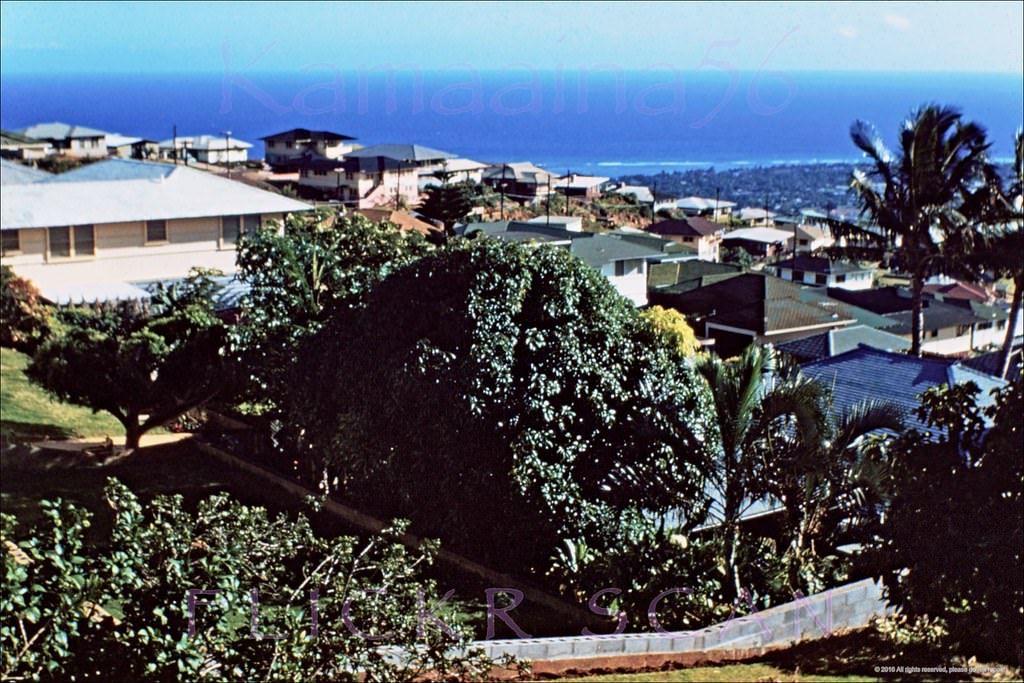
499,393
144,367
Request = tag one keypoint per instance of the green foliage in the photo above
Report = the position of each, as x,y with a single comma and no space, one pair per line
299,277
120,611
739,256
499,393
671,327
951,545
144,368
448,204
24,318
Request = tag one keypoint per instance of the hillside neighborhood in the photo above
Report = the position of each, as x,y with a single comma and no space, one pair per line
572,381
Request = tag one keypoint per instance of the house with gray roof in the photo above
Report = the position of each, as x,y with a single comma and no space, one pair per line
283,149
706,206
92,232
69,140
208,149
521,181
823,272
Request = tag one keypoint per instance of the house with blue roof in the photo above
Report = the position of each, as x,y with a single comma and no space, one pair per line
867,373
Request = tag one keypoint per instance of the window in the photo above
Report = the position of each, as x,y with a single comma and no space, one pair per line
230,229
798,276
271,144
1001,325
961,330
84,240
9,242
627,267
986,325
820,279
252,223
840,278
803,243
60,242
933,333
68,241
156,231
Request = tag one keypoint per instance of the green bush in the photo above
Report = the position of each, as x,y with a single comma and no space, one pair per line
121,610
24,317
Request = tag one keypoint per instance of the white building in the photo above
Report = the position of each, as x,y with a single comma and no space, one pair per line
823,272
208,149
284,149
69,140
103,227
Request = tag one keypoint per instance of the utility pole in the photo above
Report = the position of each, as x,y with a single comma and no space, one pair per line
654,202
502,185
547,207
718,191
568,176
398,187
227,149
174,143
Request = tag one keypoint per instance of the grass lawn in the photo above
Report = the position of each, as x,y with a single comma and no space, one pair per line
27,413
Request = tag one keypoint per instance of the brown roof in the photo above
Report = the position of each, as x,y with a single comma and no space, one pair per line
959,290
694,226
403,220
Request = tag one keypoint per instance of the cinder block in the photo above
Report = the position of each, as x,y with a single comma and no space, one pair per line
607,646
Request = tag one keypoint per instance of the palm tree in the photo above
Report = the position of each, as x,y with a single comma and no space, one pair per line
1003,248
751,403
918,199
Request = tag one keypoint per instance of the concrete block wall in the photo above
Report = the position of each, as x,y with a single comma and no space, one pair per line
816,616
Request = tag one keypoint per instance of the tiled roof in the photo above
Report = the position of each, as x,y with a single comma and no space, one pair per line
669,274
841,340
400,153
695,226
306,134
870,374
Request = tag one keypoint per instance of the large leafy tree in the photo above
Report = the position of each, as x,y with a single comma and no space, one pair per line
962,488
144,367
920,198
497,393
298,276
448,203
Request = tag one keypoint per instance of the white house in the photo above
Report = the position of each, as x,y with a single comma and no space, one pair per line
16,146
705,206
753,216
69,140
824,272
101,228
570,223
208,149
284,149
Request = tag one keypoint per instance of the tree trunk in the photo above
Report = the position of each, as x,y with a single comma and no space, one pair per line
917,313
132,433
731,508
1011,325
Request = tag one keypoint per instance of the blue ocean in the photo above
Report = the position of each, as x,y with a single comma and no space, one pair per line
591,120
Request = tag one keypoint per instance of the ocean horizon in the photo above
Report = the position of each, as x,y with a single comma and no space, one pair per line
596,120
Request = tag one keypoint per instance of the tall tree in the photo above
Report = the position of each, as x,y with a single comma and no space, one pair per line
446,202
919,198
143,367
753,406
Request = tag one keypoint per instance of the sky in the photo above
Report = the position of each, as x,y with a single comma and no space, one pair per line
210,37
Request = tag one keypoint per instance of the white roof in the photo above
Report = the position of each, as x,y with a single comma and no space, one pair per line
457,165
134,191
750,213
766,235
69,294
118,140
13,173
703,203
204,142
581,181
642,193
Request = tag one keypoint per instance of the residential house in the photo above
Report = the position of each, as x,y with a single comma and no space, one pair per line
742,308
665,202
663,251
955,290
762,243
521,181
685,275
283,150
98,231
207,149
989,363
581,186
814,217
641,193
371,177
716,209
128,147
570,223
458,171
950,328
841,340
870,374
754,216
811,239
699,232
621,261
68,140
823,272
17,146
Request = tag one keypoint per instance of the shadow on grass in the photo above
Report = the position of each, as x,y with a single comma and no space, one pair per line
25,432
